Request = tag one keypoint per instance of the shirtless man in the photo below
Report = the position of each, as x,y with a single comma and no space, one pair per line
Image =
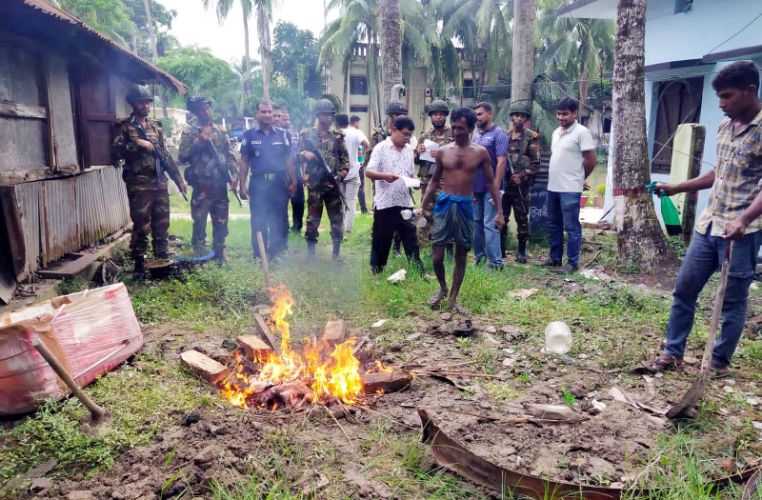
453,215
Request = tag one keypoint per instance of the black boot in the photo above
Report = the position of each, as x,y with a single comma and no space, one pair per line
139,273
337,250
311,249
521,256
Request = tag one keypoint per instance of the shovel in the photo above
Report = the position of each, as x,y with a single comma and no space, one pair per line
696,390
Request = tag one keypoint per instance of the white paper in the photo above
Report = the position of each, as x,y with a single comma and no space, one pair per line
430,146
411,183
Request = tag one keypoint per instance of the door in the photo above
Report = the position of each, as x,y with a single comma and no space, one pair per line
97,114
679,102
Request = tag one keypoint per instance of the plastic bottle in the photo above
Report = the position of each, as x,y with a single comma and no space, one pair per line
360,155
558,338
413,217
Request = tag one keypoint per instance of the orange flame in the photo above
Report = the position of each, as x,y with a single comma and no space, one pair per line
329,373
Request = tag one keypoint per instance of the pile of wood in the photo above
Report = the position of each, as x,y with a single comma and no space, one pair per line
292,395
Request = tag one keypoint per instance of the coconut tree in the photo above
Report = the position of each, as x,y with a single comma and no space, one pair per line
359,23
391,46
264,15
639,236
581,49
522,60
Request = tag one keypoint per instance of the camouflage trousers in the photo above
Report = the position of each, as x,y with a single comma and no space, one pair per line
335,208
149,211
206,201
516,198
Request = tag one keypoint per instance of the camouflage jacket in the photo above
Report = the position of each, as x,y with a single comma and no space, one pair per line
140,164
529,159
334,150
203,168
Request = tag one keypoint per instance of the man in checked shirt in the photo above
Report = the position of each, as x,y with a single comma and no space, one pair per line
735,204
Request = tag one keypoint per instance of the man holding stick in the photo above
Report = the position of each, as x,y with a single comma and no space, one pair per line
456,166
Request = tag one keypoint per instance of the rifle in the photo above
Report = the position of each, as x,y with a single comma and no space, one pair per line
331,179
218,159
159,161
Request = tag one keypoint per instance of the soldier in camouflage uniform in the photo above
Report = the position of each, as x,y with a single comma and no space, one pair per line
439,133
138,144
323,183
379,134
524,153
211,166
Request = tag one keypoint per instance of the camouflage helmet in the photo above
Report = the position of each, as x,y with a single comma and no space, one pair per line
521,107
196,101
139,93
396,108
437,105
324,106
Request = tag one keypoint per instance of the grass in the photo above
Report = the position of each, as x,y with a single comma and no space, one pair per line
618,325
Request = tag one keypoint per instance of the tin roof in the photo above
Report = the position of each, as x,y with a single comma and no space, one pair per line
63,24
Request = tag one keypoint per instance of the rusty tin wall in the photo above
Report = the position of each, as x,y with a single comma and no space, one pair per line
63,215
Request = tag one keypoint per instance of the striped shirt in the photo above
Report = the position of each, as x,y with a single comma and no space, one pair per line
737,177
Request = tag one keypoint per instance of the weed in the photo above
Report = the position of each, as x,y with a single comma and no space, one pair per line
567,397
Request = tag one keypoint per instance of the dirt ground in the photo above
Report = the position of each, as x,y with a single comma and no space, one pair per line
610,447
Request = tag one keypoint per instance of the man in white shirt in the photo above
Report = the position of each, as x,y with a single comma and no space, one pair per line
572,159
353,138
391,161
354,122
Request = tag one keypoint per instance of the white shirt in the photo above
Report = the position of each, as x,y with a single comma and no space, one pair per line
353,138
566,173
387,159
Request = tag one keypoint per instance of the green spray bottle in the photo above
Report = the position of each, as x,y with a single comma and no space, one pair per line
668,211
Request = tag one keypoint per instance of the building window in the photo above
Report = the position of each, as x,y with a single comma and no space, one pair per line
679,101
469,88
358,85
682,6
358,109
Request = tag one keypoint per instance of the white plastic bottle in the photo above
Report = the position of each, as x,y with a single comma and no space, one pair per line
558,338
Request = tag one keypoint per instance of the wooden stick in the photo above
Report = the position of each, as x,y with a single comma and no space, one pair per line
96,411
349,440
263,256
461,374
264,330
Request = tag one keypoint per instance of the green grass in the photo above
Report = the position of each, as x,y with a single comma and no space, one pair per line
618,326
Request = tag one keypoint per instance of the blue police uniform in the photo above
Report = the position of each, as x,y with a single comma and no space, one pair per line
268,187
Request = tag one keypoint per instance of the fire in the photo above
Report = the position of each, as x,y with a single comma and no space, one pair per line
330,373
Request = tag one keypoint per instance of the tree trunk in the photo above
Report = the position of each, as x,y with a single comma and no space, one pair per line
391,46
522,57
247,58
263,33
151,30
640,239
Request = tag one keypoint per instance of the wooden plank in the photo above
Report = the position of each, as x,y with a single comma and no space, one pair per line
201,364
335,332
264,331
17,110
253,346
69,267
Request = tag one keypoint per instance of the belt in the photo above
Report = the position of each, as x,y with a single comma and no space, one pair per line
269,176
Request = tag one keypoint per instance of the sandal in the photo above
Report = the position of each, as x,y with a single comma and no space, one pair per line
719,372
661,363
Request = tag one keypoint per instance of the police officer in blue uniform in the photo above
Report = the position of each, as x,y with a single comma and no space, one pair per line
266,153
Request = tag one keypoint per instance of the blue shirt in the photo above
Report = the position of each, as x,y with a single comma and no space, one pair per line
496,141
267,153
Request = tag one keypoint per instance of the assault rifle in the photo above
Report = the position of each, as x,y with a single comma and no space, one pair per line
328,176
220,162
160,162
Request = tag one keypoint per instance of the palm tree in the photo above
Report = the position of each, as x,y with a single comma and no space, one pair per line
264,14
522,60
578,48
391,45
246,73
421,43
639,236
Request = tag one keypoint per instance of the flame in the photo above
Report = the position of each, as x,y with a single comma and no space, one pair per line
331,373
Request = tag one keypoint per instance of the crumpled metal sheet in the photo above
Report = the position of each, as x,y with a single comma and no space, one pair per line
456,457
